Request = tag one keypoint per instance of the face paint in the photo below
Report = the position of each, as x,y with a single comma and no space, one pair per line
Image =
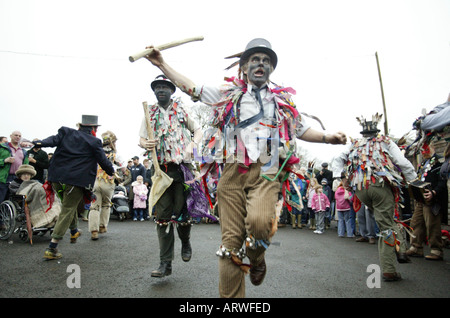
425,150
163,94
258,69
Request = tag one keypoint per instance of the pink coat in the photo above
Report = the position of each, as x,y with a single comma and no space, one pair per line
319,202
140,192
342,203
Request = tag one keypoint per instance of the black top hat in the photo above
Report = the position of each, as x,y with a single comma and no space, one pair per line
259,45
162,79
89,120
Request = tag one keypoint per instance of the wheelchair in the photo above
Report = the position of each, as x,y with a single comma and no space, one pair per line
14,219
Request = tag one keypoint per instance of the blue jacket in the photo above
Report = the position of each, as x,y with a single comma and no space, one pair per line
76,157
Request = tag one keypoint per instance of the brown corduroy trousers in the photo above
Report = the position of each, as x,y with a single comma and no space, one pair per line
246,204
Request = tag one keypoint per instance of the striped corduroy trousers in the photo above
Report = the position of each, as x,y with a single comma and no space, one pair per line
246,204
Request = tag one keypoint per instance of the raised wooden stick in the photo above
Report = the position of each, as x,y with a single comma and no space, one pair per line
141,54
150,136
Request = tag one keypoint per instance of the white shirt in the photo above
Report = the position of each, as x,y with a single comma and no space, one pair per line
255,135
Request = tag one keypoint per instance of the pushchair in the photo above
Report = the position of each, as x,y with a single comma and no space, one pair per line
15,219
119,201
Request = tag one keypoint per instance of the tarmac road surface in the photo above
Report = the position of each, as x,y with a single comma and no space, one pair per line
118,265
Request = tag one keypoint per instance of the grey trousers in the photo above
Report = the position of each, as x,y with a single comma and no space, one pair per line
171,204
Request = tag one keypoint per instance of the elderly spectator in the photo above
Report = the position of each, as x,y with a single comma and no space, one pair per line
11,157
42,214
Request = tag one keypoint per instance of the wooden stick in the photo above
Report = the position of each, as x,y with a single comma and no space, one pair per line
150,136
299,194
141,54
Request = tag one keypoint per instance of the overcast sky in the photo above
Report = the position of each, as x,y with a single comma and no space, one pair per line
60,59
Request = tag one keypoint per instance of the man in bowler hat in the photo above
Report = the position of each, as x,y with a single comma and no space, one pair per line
248,109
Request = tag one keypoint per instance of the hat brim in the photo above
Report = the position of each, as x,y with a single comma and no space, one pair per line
29,171
171,85
369,131
259,49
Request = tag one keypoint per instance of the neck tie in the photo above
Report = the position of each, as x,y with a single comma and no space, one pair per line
258,95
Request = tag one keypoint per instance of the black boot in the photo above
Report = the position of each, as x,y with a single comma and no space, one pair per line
186,251
165,269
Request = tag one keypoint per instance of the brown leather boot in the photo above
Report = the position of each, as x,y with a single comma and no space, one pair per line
392,277
257,273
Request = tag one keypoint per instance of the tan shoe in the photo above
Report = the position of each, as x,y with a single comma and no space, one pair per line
434,256
414,252
73,238
94,235
102,229
52,253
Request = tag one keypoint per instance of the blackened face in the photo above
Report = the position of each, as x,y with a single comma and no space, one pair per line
258,69
163,93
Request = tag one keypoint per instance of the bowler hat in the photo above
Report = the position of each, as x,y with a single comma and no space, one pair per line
162,79
259,45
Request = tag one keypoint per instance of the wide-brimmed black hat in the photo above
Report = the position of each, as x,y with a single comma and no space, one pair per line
89,120
259,45
162,79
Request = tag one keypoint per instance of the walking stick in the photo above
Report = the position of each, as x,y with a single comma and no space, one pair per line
160,180
141,54
28,219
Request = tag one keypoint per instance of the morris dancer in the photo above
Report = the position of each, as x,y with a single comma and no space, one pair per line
172,130
72,174
260,118
104,189
377,169
427,216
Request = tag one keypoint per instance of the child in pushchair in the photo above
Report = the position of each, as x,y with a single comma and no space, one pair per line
119,200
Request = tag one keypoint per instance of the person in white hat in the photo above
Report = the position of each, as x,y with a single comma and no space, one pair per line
259,118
